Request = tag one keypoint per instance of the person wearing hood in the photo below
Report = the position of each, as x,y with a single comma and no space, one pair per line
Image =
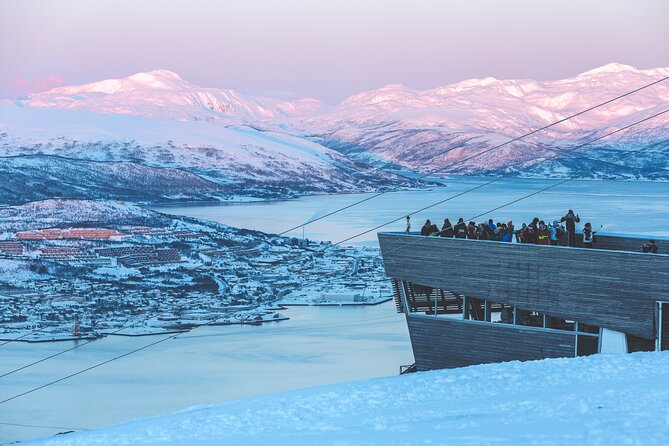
434,230
570,221
408,229
531,231
447,229
542,234
425,230
460,229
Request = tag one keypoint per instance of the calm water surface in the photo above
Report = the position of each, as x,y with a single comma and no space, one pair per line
319,345
621,207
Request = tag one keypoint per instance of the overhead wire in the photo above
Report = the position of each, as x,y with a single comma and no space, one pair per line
432,205
361,233
174,336
532,194
468,158
41,426
74,347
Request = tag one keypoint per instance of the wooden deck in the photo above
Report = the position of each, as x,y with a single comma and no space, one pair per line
614,289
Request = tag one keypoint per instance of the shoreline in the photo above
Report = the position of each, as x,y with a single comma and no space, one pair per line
138,335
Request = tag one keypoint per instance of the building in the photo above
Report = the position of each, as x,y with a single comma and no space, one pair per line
70,233
11,247
474,301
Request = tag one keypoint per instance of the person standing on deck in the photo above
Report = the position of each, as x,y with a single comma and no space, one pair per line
434,230
588,236
491,229
650,247
520,234
472,231
510,230
483,232
543,236
447,229
570,221
460,229
554,234
408,229
425,230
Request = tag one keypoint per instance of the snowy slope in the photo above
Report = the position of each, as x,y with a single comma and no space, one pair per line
35,177
164,94
437,128
599,400
242,159
56,212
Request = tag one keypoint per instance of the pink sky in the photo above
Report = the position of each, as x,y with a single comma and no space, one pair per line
323,49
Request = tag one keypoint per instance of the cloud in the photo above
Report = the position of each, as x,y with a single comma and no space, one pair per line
51,80
20,86
18,83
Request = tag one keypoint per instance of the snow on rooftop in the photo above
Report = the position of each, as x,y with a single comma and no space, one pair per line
599,400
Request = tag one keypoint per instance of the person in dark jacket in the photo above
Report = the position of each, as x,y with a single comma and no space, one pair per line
408,229
483,232
650,247
491,229
570,221
588,236
460,229
535,224
447,229
425,230
520,234
434,230
531,231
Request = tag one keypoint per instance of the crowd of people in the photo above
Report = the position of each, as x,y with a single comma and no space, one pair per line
536,232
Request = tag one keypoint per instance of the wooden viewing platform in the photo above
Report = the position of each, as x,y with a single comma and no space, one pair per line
477,301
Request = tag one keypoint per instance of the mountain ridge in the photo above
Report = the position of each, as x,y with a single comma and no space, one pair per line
271,147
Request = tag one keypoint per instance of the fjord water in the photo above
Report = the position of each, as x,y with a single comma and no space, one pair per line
623,207
319,345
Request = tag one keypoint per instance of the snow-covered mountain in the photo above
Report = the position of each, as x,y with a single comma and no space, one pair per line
237,144
436,128
164,94
47,151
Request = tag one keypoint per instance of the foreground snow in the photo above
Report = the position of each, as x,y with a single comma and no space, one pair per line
603,399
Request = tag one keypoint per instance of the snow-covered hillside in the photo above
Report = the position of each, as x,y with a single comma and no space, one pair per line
239,159
164,94
601,399
437,128
243,145
58,213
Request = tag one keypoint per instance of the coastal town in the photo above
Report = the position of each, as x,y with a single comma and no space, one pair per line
79,269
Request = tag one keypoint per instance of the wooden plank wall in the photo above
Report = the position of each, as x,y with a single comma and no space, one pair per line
632,244
442,343
611,289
